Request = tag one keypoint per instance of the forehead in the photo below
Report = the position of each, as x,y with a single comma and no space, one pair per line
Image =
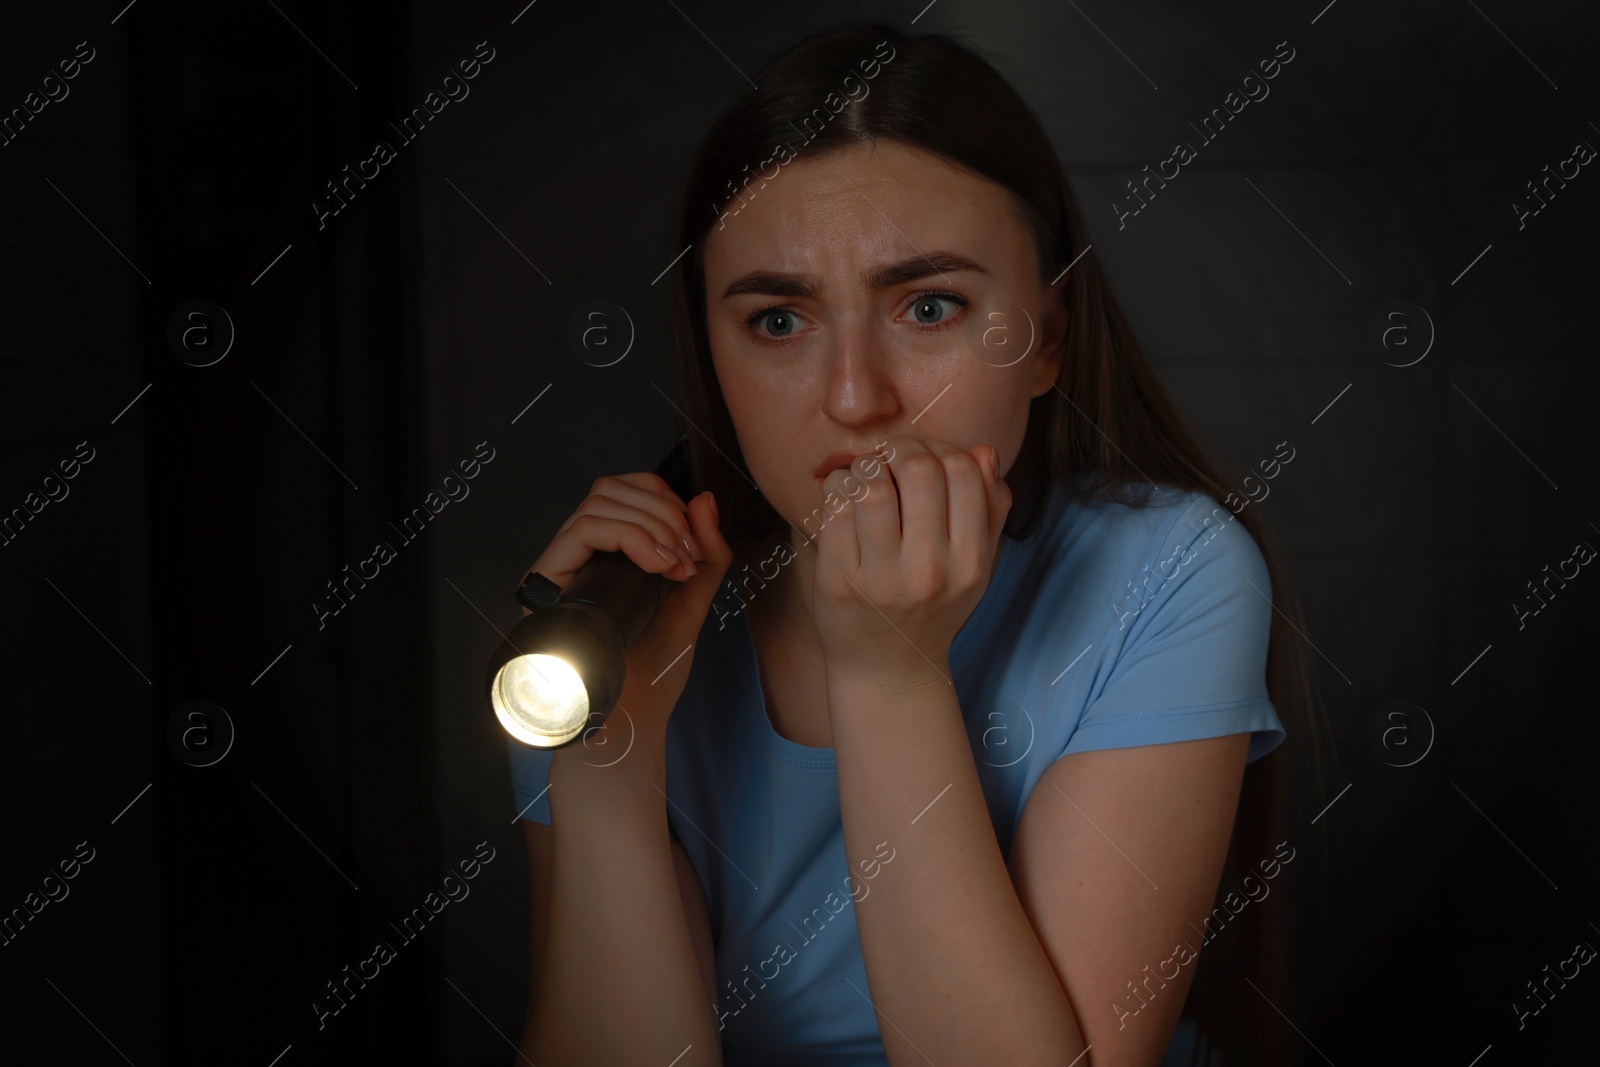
861,206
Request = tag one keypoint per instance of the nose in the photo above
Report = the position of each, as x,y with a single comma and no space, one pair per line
860,387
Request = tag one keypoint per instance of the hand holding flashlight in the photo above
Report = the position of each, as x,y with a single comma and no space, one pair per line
636,514
639,516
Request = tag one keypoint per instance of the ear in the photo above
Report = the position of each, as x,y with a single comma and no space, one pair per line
1052,339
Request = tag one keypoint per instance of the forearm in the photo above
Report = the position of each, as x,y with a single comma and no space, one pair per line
955,966
618,947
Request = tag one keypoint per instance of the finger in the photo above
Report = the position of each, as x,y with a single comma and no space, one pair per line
654,483
967,490
670,537
877,519
647,492
920,480
839,538
626,489
594,533
683,610
648,482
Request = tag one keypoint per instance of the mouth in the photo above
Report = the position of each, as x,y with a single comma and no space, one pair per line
836,461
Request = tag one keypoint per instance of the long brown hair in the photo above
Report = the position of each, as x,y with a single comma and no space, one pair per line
1109,416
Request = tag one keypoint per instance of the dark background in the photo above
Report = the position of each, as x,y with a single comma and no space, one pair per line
426,317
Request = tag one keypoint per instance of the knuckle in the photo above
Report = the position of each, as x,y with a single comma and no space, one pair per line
922,467
926,579
961,464
585,530
876,500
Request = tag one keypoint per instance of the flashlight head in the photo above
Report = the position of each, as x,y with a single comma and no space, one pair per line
540,699
557,674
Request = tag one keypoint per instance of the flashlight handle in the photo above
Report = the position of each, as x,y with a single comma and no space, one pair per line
619,587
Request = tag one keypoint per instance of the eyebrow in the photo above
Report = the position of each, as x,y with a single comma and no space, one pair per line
782,283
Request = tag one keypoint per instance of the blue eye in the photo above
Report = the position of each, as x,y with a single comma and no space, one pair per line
780,322
928,310
934,310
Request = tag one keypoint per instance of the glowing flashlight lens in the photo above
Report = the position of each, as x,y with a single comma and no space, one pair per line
541,700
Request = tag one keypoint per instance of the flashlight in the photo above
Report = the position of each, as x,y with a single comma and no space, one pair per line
558,673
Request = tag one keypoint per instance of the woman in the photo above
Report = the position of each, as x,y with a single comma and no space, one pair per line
952,773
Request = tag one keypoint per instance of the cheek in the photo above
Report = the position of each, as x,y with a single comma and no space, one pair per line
766,413
764,388
775,422
993,407
745,393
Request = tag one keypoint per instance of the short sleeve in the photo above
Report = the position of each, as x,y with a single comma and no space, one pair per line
530,774
1194,634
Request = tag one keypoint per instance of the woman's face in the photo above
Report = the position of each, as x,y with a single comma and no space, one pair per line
875,291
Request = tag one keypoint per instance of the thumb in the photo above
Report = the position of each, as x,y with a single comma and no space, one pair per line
683,610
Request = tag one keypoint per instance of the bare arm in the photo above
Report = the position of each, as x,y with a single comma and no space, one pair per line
616,939
699,919
944,936
1118,942
1048,947
540,838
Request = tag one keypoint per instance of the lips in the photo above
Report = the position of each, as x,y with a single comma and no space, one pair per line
836,461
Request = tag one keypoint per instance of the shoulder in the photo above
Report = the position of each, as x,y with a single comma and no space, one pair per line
1118,624
1165,580
1171,601
1129,541
1108,578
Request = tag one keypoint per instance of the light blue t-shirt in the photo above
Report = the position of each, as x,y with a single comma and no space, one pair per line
1110,626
